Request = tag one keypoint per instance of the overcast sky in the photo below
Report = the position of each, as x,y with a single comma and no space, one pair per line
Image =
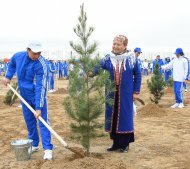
153,25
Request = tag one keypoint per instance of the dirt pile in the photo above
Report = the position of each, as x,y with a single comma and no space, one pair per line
60,91
151,110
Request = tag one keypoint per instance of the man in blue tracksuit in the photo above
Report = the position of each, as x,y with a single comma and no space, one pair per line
167,73
1,68
180,75
184,83
159,61
31,69
60,69
52,70
5,66
137,52
65,69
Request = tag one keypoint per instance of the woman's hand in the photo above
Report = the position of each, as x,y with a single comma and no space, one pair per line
135,96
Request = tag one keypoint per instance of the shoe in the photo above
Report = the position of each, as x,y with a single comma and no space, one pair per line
175,105
181,105
48,155
124,150
112,148
34,149
185,90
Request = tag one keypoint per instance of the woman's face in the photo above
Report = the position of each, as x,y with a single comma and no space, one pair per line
118,47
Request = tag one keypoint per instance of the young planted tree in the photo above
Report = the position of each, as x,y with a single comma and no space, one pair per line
170,82
10,96
86,99
156,85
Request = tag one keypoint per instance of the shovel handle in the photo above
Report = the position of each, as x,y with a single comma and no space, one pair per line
40,118
14,94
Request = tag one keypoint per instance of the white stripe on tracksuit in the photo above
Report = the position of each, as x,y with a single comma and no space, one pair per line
43,81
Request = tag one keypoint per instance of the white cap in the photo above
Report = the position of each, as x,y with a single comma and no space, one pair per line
35,46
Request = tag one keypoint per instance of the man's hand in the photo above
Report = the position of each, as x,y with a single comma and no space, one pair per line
38,113
186,81
135,96
6,81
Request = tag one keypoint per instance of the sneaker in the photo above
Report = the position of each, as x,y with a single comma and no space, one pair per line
34,149
175,105
185,90
48,155
181,105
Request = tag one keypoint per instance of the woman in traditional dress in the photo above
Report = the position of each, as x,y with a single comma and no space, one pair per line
125,72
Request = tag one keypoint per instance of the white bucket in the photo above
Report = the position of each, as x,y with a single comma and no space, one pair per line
23,149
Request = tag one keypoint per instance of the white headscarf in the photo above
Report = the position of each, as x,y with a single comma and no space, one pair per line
122,58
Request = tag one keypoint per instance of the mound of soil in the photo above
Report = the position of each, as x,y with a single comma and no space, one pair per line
169,90
151,110
90,163
60,91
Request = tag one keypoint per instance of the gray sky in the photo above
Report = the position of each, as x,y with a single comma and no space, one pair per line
153,25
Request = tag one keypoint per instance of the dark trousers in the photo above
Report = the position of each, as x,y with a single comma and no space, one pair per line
120,141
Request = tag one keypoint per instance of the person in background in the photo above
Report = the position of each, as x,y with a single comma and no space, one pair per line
60,69
180,75
168,72
184,83
1,68
65,69
145,67
151,67
52,70
138,52
6,66
31,69
159,61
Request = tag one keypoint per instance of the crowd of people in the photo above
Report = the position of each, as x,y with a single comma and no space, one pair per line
177,69
147,68
56,70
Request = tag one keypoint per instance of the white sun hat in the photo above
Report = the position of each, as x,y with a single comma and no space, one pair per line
35,46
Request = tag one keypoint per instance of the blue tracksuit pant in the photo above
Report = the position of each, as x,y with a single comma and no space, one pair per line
51,81
145,72
60,74
178,91
65,72
184,85
167,75
31,123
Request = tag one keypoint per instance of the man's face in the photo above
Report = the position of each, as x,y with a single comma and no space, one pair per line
32,55
118,47
158,57
137,54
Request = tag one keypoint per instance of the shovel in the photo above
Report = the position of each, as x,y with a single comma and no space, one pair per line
13,97
75,150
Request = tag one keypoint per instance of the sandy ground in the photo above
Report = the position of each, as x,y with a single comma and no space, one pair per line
162,137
